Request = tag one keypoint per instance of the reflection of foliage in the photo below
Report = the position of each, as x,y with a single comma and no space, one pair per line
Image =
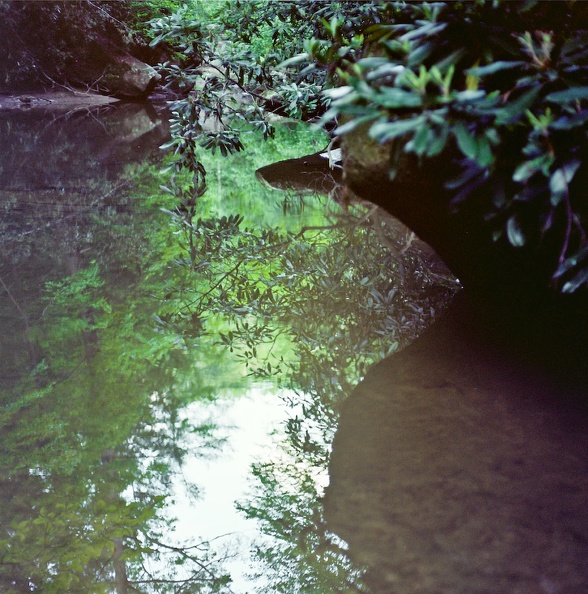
92,430
340,295
309,311
91,437
301,555
70,466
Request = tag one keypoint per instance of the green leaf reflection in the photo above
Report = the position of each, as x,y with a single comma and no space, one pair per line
131,313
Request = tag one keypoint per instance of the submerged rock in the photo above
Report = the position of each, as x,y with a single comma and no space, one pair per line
456,469
54,101
319,172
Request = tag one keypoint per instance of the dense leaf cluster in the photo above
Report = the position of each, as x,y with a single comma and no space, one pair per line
501,89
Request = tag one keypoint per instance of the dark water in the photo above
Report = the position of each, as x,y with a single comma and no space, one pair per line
457,467
167,411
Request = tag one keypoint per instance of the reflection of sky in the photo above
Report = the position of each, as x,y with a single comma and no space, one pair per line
253,426
62,240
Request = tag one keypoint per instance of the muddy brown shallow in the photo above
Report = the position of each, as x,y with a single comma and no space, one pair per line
456,470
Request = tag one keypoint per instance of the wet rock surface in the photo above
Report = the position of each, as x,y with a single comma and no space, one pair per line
311,173
457,469
53,101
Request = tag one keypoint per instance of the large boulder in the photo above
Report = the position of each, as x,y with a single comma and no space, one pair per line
417,196
459,463
115,72
72,44
457,468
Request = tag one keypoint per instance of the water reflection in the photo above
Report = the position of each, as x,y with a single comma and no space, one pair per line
123,348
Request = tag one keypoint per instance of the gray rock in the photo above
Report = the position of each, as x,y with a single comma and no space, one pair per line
127,77
106,68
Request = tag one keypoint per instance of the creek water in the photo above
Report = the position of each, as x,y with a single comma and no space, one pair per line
170,387
191,404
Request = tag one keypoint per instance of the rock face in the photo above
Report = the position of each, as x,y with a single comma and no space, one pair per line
456,469
418,198
116,73
460,464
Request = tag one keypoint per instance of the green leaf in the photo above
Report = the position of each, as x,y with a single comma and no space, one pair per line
451,59
437,141
393,98
168,144
420,53
470,95
419,142
568,95
527,169
560,180
571,262
494,67
157,39
384,131
388,69
514,232
517,108
338,92
465,140
298,59
485,156
579,279
375,62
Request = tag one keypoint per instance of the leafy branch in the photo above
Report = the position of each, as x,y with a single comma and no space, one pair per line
508,109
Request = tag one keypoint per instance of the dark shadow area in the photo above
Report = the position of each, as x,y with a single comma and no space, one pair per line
459,464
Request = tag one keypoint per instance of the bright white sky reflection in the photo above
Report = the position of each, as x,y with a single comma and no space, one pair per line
253,425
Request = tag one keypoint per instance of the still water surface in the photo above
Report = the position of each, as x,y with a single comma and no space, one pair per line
167,413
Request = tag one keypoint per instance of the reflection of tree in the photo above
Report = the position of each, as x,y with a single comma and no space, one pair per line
89,443
301,555
92,433
309,311
91,423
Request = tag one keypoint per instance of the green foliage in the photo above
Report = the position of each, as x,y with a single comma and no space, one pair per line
230,74
507,109
127,336
303,556
499,88
308,310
